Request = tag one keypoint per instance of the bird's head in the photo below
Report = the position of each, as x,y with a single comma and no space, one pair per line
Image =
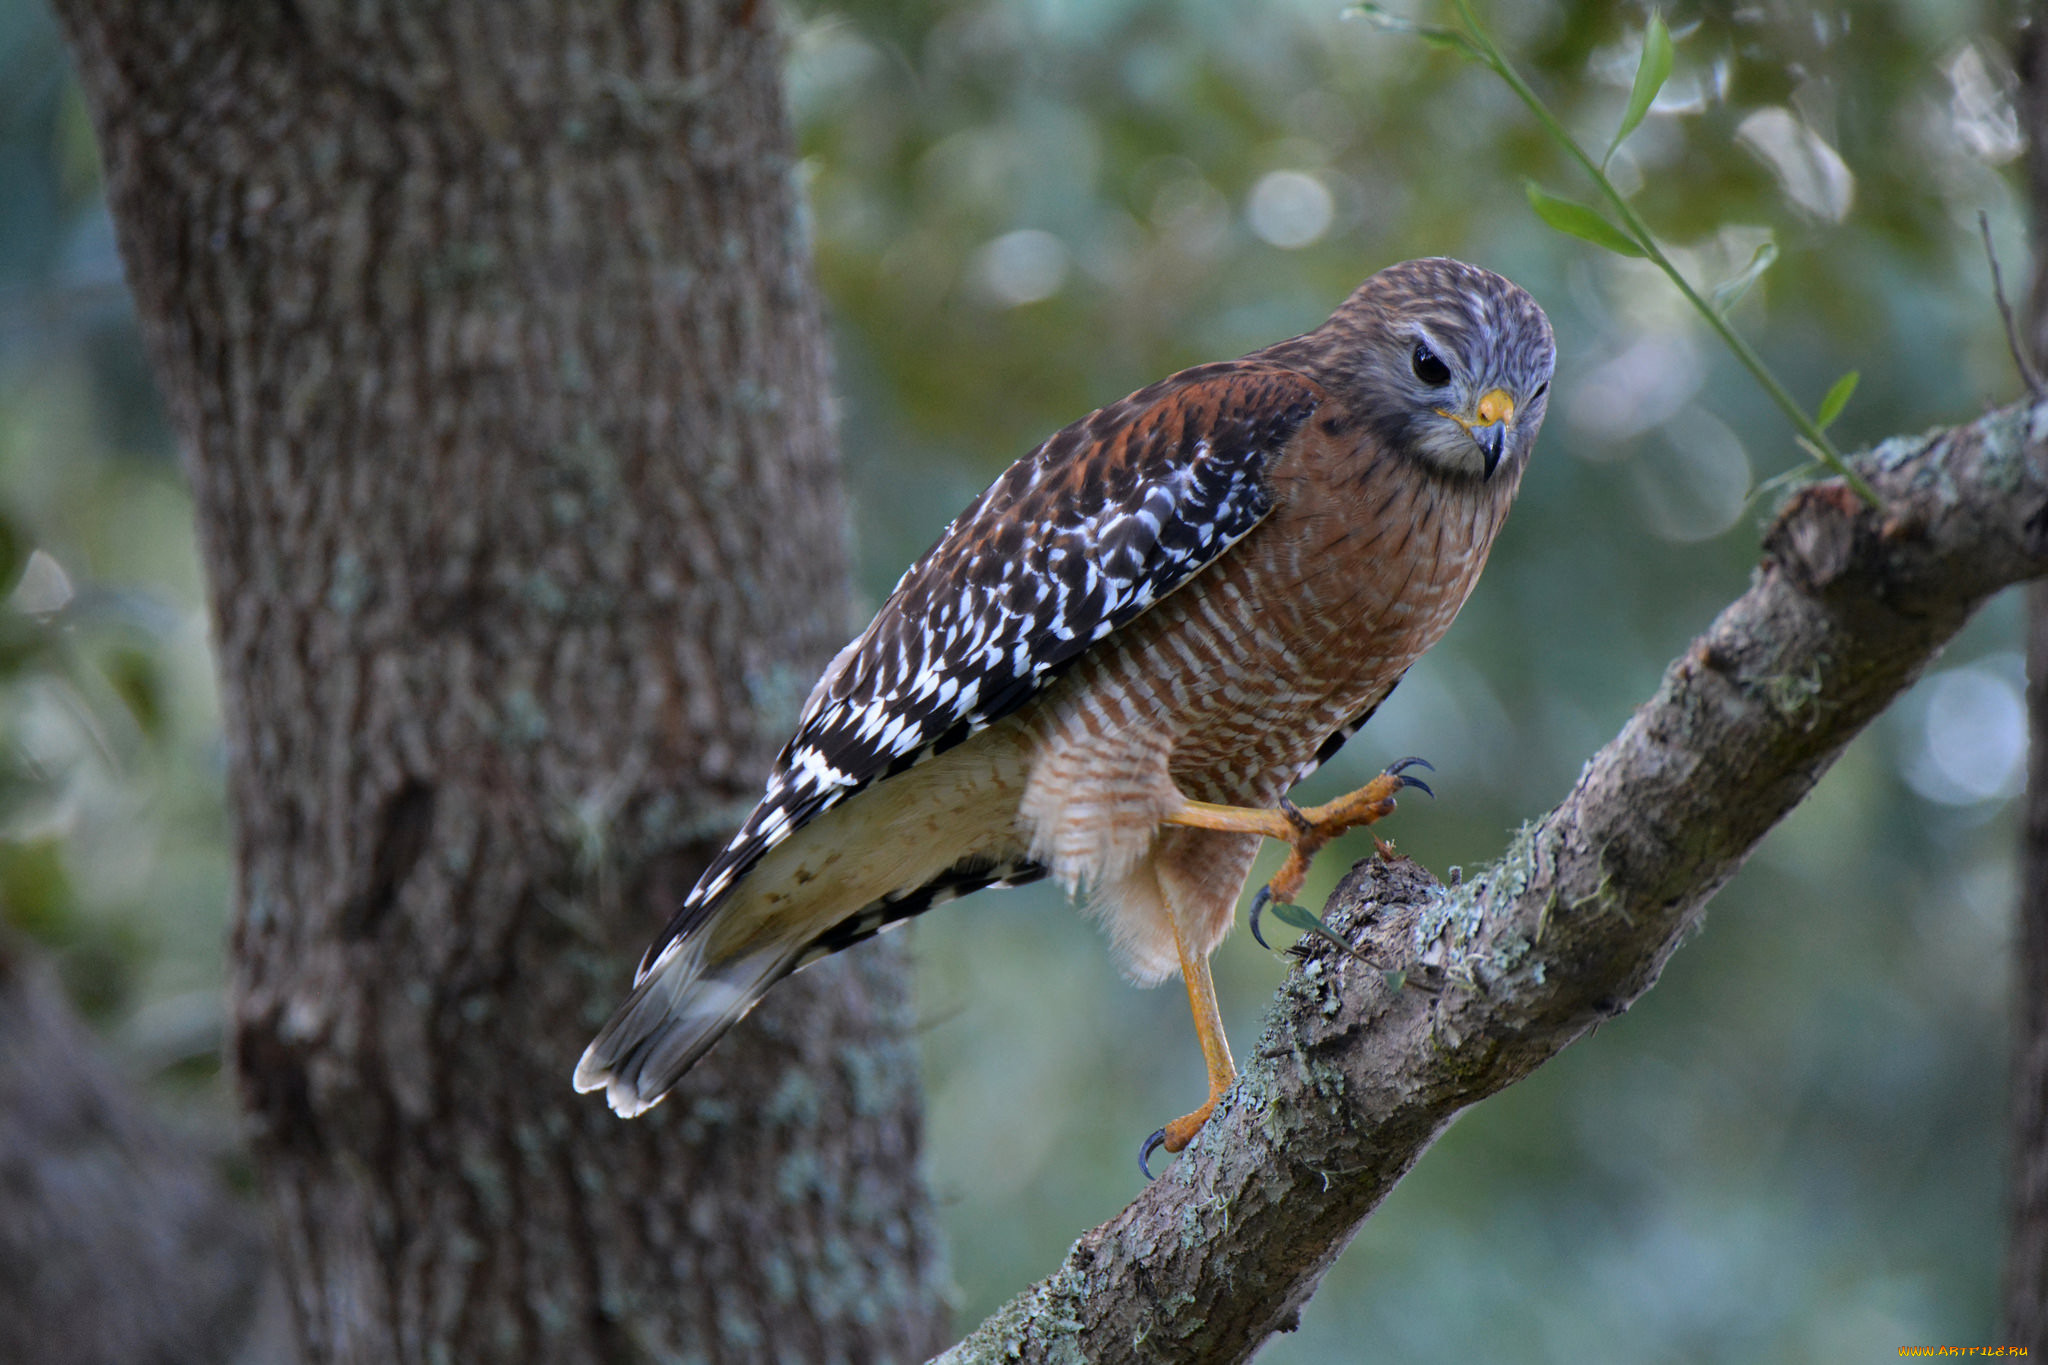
1447,363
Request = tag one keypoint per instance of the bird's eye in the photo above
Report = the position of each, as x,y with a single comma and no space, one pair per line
1541,389
1429,369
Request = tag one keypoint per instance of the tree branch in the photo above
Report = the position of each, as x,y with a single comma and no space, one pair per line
1357,1072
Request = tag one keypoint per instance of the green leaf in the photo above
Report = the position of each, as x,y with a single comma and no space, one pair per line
1308,922
1837,399
14,551
1651,73
35,890
134,677
1798,476
1729,292
1449,39
1577,220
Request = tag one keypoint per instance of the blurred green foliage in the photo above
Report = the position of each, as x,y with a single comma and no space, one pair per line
1026,208
113,850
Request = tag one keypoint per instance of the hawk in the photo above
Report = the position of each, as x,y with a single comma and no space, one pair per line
1116,662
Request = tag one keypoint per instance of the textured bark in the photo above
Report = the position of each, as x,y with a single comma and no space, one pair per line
1357,1073
488,332
2025,1317
119,1241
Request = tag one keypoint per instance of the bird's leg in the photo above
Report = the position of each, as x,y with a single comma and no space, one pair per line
1305,831
1194,971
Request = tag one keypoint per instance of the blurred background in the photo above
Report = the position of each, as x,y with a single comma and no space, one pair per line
1792,1148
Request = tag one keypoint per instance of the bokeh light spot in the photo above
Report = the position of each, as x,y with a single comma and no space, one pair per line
1291,209
1022,267
1696,487
1971,742
1810,172
1981,115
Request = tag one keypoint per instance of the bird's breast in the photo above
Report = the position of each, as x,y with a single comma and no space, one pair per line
1308,622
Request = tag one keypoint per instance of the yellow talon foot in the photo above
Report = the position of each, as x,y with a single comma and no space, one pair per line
1175,1136
1182,1130
1311,828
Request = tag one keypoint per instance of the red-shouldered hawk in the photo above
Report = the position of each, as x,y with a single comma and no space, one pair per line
1119,658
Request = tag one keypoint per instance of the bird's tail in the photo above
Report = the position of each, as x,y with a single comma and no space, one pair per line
679,1007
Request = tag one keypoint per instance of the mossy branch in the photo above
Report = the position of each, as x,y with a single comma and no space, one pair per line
1355,1076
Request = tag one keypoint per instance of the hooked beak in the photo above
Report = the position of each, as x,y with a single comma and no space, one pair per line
1492,440
1488,425
1496,413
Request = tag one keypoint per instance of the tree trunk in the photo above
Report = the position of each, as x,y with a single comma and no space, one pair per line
2026,1260
489,335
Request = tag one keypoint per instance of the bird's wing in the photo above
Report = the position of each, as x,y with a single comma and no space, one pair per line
1077,539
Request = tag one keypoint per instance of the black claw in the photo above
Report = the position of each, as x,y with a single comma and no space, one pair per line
1399,768
1152,1144
1259,903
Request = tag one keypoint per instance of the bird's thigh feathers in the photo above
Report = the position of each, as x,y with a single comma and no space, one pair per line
1101,784
1097,793
1189,877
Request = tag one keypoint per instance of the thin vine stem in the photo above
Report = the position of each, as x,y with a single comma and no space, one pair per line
1816,440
